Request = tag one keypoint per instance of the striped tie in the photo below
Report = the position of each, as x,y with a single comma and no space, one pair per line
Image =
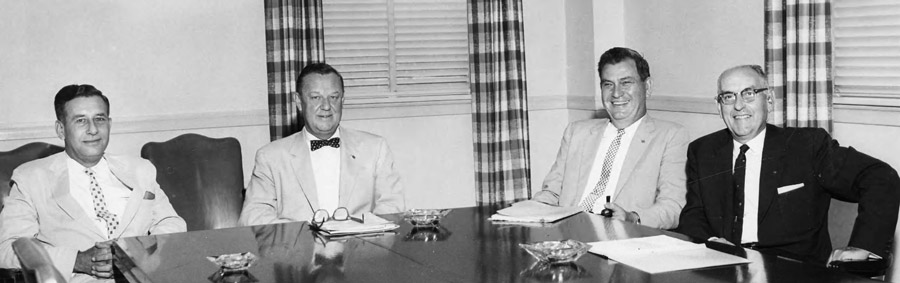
600,188
100,204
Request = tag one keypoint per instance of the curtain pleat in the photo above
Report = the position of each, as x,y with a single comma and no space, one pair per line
798,61
294,38
499,101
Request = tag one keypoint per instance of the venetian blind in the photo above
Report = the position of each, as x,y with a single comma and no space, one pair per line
867,48
398,47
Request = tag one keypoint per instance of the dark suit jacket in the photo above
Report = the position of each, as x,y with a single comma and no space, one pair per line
793,223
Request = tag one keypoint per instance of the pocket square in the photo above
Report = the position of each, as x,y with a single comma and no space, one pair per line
149,195
789,188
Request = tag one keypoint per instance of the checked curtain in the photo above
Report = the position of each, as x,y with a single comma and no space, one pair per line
798,60
294,38
499,104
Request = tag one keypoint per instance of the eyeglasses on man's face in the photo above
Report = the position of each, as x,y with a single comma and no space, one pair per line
747,95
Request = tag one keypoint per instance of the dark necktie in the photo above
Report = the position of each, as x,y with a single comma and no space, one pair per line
740,168
317,144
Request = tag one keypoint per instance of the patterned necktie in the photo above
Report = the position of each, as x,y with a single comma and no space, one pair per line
100,204
317,144
600,188
740,168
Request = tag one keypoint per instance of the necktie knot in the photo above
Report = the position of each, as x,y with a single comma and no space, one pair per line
744,149
317,144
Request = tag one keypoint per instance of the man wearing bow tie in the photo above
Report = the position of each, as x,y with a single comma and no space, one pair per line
324,166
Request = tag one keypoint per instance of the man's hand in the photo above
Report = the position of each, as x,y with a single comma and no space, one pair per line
620,213
96,261
851,254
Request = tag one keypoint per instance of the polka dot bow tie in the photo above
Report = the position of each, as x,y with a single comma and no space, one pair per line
332,142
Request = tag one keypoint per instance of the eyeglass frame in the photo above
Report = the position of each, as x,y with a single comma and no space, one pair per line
744,94
321,216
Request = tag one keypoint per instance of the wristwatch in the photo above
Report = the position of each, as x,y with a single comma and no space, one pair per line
637,217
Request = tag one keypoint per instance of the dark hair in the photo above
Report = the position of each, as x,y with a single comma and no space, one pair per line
317,68
69,92
618,54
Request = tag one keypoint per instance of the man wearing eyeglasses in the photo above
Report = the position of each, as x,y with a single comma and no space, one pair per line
77,201
324,166
763,187
631,163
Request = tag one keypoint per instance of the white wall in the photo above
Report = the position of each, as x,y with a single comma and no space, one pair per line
689,43
197,66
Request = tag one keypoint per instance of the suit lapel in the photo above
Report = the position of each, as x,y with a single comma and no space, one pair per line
722,160
349,164
636,150
125,174
773,151
302,166
64,198
588,154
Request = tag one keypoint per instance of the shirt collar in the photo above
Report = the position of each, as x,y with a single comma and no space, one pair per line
755,144
74,166
612,128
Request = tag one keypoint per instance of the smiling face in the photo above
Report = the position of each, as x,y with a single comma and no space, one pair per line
85,129
321,99
745,120
623,92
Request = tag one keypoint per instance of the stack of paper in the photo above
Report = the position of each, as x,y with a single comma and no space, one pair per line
370,224
534,211
662,254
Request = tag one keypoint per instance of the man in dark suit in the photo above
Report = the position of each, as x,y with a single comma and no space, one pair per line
769,188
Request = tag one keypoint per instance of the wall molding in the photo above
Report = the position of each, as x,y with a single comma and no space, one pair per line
242,118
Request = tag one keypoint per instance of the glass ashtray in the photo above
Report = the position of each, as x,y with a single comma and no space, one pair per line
554,252
234,262
424,217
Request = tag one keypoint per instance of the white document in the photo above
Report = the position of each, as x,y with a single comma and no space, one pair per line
662,253
534,211
371,224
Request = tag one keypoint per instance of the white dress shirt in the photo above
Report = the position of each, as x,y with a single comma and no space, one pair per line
609,134
115,193
750,228
326,165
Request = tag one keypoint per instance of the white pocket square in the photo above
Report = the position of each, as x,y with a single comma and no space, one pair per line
789,188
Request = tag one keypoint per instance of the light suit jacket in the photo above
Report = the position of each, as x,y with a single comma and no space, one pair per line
652,179
283,185
40,206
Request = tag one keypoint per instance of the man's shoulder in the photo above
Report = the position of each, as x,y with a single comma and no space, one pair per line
359,136
44,165
587,124
282,145
714,139
130,161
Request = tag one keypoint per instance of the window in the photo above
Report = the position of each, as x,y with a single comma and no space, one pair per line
866,52
399,48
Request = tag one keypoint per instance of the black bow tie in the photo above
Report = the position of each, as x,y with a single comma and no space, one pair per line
317,144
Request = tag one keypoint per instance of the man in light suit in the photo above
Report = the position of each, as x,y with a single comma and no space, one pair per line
324,166
76,201
632,158
769,188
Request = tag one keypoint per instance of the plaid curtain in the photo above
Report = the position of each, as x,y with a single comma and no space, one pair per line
499,102
294,38
798,60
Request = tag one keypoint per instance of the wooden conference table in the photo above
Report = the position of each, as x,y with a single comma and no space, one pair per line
465,248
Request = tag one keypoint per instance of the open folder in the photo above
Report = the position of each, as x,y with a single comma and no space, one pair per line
534,211
662,254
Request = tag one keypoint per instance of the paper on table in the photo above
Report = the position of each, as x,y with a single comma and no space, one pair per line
371,224
534,211
662,254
